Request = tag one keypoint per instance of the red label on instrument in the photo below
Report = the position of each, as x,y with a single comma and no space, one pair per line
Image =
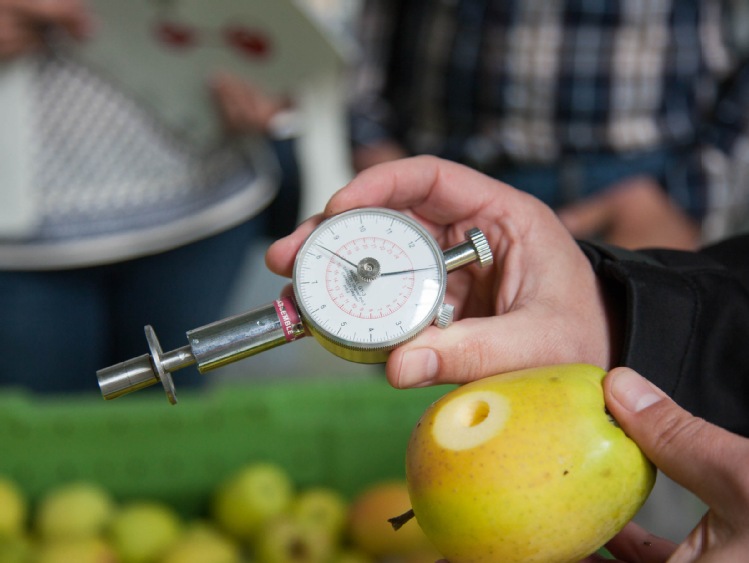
289,317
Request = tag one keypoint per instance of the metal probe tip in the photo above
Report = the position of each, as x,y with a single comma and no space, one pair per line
126,377
141,372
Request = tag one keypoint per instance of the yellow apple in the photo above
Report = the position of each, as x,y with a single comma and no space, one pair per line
352,555
524,466
143,530
16,549
249,497
14,508
80,550
203,543
322,509
74,510
368,528
283,539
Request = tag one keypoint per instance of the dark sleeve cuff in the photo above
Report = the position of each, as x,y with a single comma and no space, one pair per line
658,312
686,326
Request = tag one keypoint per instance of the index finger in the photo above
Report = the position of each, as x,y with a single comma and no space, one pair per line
280,256
434,189
409,183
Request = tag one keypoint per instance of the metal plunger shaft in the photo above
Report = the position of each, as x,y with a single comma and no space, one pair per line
210,347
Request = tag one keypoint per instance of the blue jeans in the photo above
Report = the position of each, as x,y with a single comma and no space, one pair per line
575,177
58,327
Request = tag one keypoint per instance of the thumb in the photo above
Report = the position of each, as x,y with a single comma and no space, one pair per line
453,355
470,349
701,457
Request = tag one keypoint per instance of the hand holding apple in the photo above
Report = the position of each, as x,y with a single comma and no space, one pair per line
707,460
525,467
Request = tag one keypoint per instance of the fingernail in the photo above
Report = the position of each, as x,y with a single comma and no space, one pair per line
633,391
418,368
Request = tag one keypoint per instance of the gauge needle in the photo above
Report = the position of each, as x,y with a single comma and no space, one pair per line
336,255
406,271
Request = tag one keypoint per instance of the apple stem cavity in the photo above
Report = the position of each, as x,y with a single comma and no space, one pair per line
397,521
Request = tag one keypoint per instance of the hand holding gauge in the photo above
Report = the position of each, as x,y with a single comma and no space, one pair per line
370,279
364,281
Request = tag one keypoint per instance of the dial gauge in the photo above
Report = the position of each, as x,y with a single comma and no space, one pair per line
368,280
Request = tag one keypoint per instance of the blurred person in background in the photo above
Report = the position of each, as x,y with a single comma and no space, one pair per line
600,109
134,226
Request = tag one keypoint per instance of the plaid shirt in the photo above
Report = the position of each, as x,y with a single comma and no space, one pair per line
530,80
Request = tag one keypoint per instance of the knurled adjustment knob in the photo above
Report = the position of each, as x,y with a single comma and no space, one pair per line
481,246
445,315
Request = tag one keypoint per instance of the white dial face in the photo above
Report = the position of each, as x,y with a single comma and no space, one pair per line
369,278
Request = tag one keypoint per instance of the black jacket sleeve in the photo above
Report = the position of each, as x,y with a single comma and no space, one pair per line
686,323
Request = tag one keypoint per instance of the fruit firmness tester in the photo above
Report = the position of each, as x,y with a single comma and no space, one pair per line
364,282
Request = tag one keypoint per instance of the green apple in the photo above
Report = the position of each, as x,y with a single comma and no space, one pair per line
322,509
352,555
249,497
524,466
203,543
283,539
73,511
16,549
80,550
143,530
14,508
368,528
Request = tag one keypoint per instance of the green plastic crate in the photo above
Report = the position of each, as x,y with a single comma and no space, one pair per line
342,432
